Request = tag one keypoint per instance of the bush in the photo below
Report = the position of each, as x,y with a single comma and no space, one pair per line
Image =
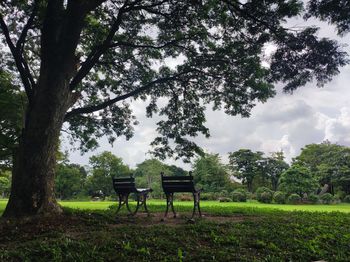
224,199
264,195
312,198
224,193
279,197
327,198
294,199
208,196
346,199
239,195
185,197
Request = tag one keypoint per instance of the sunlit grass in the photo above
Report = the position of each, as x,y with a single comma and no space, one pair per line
158,205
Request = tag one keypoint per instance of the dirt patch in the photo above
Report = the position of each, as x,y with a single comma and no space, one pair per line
181,219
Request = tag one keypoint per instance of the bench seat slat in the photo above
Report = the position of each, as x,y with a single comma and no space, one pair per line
182,183
180,178
124,179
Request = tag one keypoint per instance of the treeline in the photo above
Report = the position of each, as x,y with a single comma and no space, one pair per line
320,172
75,181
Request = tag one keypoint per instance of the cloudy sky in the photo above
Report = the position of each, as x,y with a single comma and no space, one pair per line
286,122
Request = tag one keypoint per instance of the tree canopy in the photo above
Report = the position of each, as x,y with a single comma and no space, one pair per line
82,63
121,50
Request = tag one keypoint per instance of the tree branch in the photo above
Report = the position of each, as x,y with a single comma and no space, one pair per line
109,102
22,38
20,62
97,52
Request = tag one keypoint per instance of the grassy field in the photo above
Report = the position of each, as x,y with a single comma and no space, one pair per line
90,231
159,205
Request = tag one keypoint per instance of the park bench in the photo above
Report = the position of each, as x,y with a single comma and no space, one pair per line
124,186
180,184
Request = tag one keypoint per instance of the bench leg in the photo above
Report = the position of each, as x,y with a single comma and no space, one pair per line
122,200
170,202
196,199
145,203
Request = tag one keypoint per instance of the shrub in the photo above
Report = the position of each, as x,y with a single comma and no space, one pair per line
208,196
327,198
185,197
346,199
279,197
264,195
294,199
224,193
239,195
224,199
312,198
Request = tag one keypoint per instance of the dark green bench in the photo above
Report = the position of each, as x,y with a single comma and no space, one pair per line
180,184
124,186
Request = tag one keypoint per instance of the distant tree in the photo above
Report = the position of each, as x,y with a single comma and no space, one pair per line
70,180
148,172
5,183
328,162
104,167
246,165
274,167
210,174
299,180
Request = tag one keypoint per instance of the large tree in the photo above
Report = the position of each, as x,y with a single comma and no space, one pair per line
82,61
246,165
210,174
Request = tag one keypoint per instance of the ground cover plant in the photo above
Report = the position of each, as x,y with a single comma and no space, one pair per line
228,232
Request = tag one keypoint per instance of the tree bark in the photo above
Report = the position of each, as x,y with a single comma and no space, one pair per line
32,190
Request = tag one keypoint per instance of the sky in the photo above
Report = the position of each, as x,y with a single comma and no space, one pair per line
286,122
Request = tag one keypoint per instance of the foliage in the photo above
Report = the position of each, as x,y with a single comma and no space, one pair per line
225,199
12,107
239,195
313,198
294,199
112,40
246,165
104,167
330,163
208,196
327,198
5,186
273,167
246,235
84,62
264,195
210,174
346,199
69,181
279,197
333,11
298,179
148,172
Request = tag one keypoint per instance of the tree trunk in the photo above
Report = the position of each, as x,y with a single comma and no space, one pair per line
32,190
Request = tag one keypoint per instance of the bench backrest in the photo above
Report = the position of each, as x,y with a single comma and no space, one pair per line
124,185
172,184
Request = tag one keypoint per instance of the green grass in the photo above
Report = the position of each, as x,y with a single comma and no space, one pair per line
159,205
216,205
89,231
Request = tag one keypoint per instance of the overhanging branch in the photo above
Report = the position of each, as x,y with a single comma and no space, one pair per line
94,108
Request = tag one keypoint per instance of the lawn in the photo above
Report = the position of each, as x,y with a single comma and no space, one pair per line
89,231
227,207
